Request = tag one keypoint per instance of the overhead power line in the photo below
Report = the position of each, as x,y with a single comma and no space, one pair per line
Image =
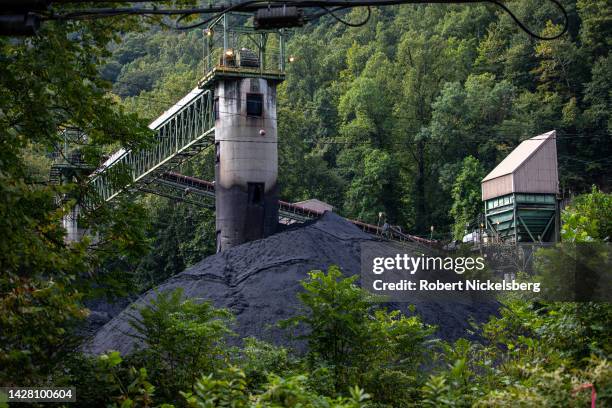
41,10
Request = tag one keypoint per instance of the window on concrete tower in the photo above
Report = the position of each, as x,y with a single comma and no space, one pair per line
256,193
254,104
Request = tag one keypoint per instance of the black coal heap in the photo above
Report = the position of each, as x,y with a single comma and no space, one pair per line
259,281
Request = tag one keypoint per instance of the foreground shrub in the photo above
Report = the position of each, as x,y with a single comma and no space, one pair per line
183,339
259,360
228,389
350,333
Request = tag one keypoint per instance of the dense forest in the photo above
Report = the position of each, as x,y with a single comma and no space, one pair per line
406,114
403,115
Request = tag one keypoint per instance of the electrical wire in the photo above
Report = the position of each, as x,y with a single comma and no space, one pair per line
329,6
359,24
229,9
527,30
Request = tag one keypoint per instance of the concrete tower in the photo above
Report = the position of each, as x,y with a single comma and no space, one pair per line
244,67
246,166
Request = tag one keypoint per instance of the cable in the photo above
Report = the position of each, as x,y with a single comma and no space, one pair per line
251,5
527,30
237,7
216,16
360,24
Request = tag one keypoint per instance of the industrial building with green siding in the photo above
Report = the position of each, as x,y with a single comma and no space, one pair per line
520,194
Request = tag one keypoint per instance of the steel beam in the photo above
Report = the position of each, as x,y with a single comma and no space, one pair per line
181,136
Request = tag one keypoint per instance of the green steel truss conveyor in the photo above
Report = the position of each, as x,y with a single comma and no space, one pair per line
181,133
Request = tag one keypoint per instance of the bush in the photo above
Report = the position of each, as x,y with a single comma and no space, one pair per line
532,355
183,339
259,359
228,389
356,338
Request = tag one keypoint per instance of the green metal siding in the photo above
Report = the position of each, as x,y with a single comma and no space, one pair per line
522,217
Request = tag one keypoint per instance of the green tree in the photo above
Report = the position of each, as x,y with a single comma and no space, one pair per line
370,191
43,279
424,67
303,171
467,117
259,359
182,339
360,341
556,70
179,235
366,105
588,218
595,28
228,388
467,202
533,355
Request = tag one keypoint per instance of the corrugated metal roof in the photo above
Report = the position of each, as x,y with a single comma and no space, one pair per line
519,156
315,205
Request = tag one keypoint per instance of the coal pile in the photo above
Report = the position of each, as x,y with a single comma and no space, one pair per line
259,282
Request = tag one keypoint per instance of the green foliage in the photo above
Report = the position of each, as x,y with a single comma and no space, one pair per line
530,355
534,355
454,81
183,339
437,393
304,173
467,202
595,30
588,218
370,189
43,279
228,389
359,341
138,393
471,112
179,235
395,106
575,271
335,312
598,97
259,359
141,61
560,387
107,381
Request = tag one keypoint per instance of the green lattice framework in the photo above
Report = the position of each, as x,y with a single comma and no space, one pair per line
180,135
